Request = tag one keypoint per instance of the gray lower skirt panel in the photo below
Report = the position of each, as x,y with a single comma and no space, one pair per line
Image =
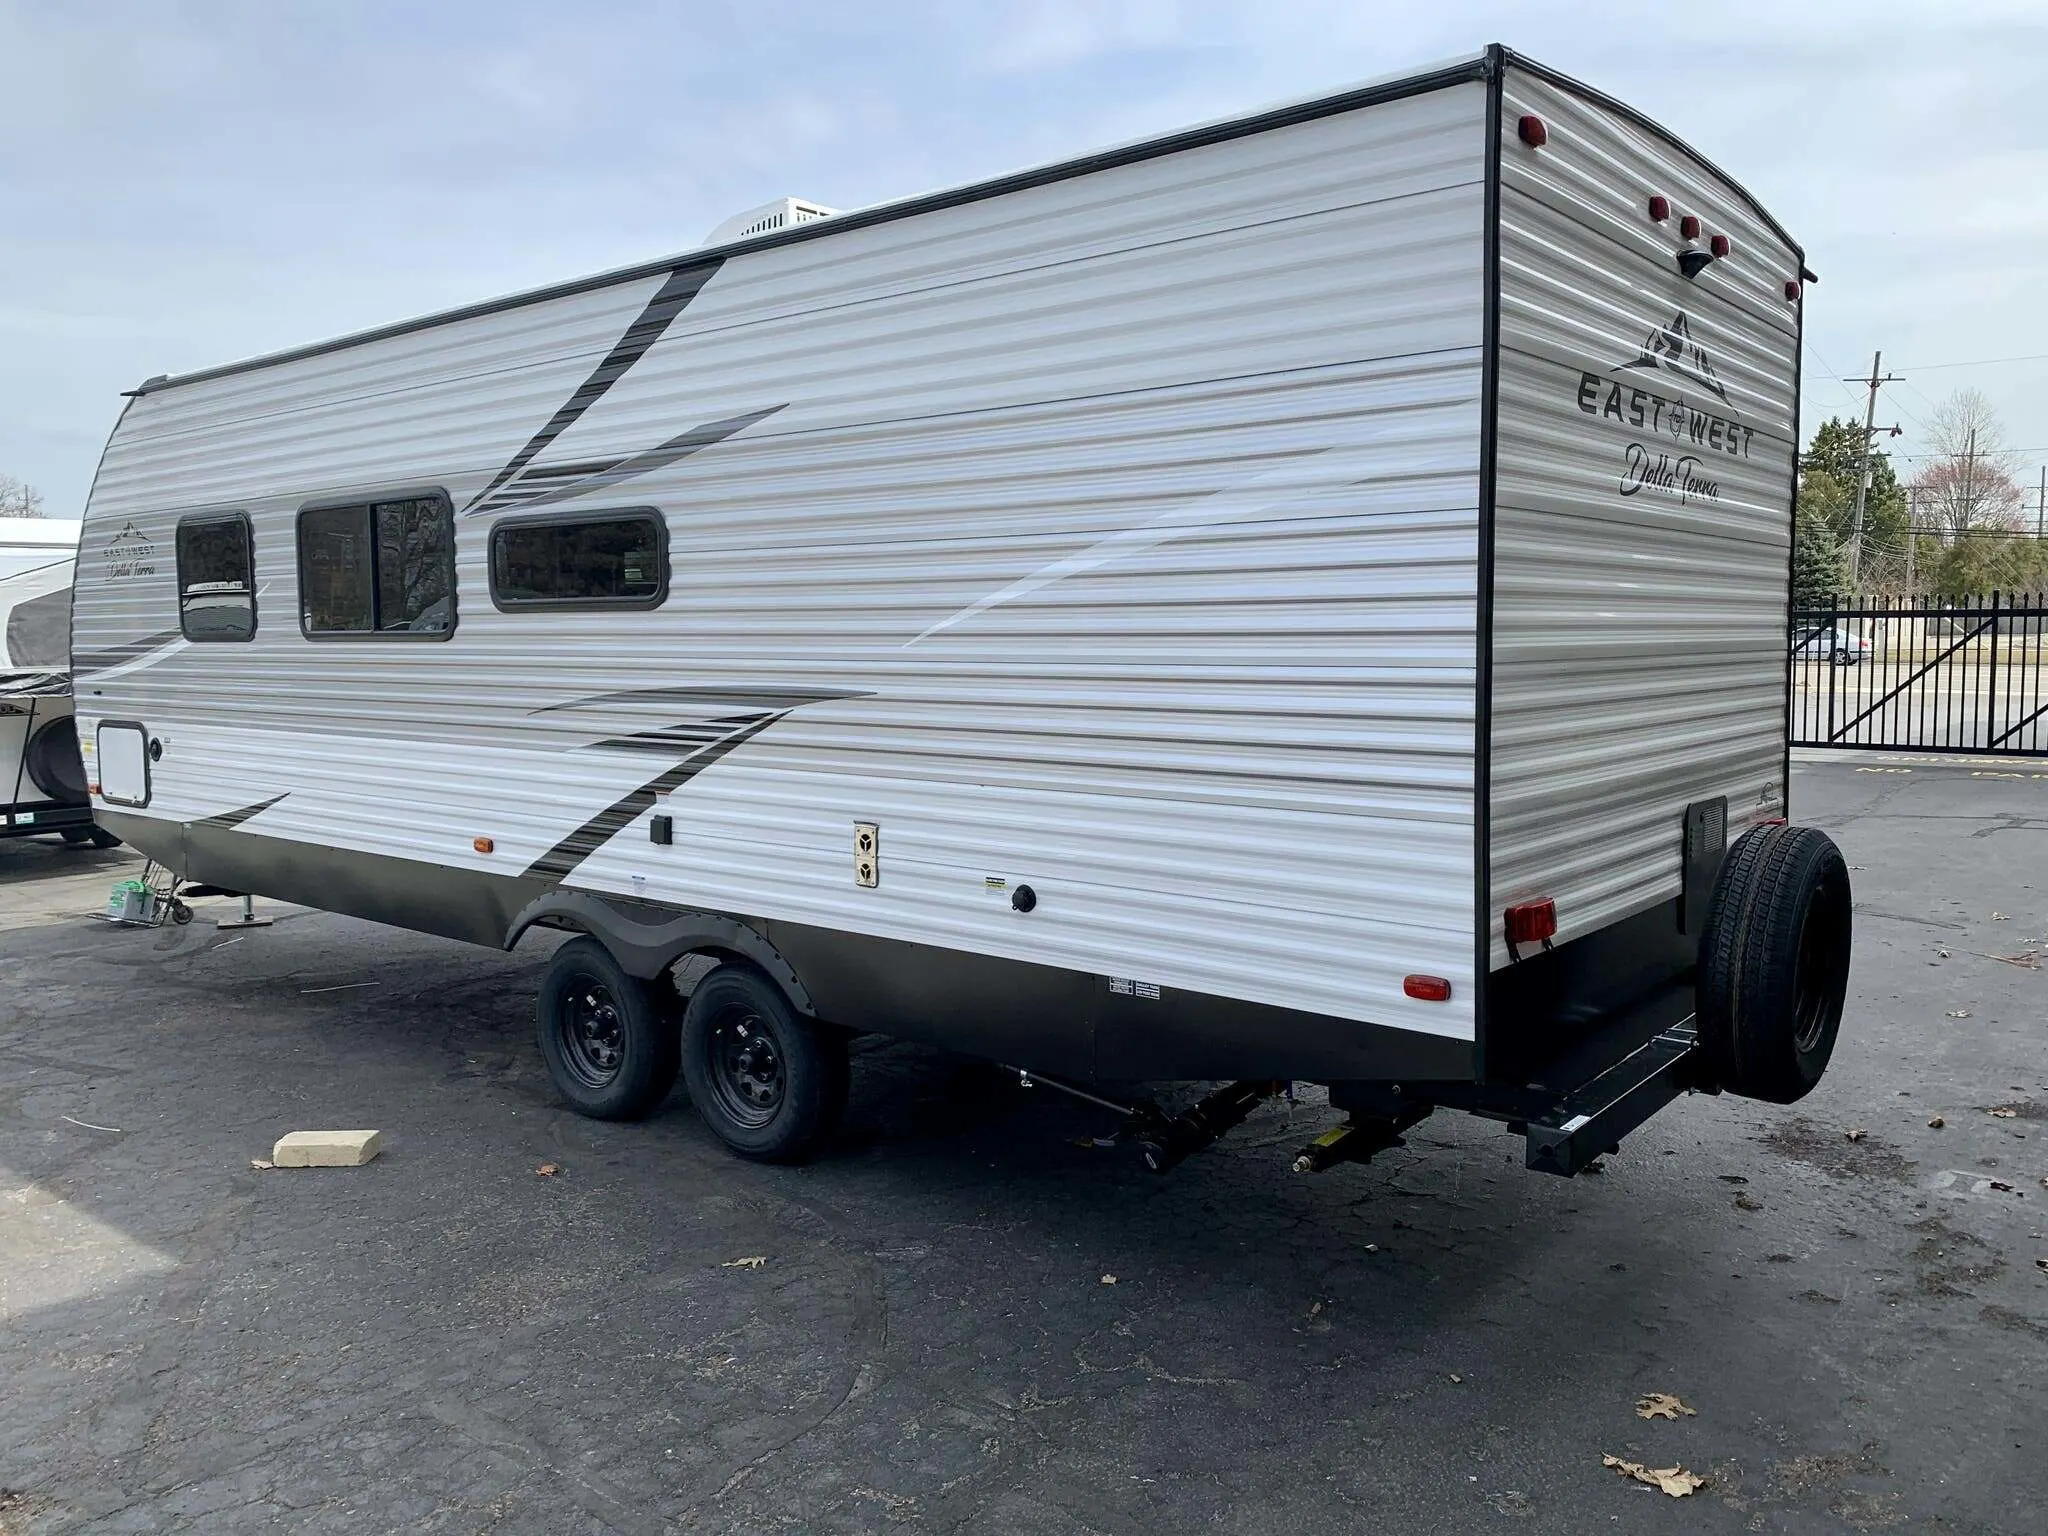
1042,1017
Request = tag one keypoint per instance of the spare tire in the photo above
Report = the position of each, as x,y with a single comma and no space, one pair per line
53,762
1774,963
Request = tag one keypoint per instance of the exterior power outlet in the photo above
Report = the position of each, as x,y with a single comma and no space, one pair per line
867,854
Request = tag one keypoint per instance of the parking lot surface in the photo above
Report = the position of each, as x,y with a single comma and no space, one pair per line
964,1320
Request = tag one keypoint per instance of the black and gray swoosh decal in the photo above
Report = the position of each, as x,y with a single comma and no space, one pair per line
560,860
228,819
740,715
524,494
671,299
127,650
712,696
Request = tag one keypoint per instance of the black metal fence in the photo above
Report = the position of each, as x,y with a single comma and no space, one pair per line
1917,676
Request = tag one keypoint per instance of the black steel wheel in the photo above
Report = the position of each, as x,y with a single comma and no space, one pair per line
609,1039
1774,963
769,1082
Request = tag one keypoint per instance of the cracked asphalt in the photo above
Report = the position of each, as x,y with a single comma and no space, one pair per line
965,1321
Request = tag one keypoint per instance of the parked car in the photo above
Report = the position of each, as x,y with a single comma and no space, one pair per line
1844,647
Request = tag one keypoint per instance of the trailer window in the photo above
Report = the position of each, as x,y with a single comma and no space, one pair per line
601,560
216,578
382,568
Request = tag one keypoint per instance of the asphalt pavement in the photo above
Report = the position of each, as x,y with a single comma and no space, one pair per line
963,1319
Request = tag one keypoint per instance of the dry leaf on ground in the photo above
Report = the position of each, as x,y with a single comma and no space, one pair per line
2005,1112
1856,1135
1660,1405
261,1164
1936,1123
1745,1203
754,1262
1959,1013
548,1170
1675,1481
1109,1279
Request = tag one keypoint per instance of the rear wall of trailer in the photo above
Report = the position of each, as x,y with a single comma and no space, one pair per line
1116,535
1647,433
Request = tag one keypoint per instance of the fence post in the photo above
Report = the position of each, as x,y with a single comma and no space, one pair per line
1991,685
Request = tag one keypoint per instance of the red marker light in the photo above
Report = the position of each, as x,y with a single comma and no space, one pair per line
1689,226
1791,289
1660,209
1532,131
1531,922
1427,989
1720,245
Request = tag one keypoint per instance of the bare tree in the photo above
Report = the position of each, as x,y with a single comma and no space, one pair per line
1972,481
18,500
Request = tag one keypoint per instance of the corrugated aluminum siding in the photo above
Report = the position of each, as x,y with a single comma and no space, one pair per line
1136,514
1638,635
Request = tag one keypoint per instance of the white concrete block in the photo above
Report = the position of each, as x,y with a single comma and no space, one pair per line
326,1149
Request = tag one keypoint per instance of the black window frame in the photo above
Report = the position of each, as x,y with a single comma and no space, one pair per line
178,574
641,514
446,511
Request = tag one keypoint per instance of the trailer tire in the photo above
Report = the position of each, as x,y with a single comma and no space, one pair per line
53,763
609,1039
770,1083
1774,963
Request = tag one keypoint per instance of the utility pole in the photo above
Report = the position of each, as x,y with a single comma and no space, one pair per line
1912,535
2041,507
1870,428
1970,483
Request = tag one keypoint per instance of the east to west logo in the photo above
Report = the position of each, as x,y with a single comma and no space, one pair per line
129,552
1671,349
1649,394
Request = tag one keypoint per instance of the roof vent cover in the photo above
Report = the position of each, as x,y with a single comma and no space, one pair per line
769,218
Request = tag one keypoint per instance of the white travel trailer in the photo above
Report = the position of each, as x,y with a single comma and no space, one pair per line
1303,597
42,781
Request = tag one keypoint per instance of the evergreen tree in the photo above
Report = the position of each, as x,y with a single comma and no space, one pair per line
1827,493
1820,571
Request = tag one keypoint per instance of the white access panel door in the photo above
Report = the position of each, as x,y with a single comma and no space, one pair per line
123,764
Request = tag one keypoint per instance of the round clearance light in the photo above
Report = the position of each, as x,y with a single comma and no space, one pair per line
1791,289
1532,131
1689,226
1721,245
1660,209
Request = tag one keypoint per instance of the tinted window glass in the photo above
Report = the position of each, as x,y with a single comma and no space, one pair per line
386,567
334,570
415,568
216,579
602,560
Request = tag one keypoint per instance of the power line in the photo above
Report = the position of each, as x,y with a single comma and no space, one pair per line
1974,362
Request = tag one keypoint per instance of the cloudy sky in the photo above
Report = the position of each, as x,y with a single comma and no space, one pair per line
184,182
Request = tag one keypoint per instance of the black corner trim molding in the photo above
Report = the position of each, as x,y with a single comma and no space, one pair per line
1482,625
